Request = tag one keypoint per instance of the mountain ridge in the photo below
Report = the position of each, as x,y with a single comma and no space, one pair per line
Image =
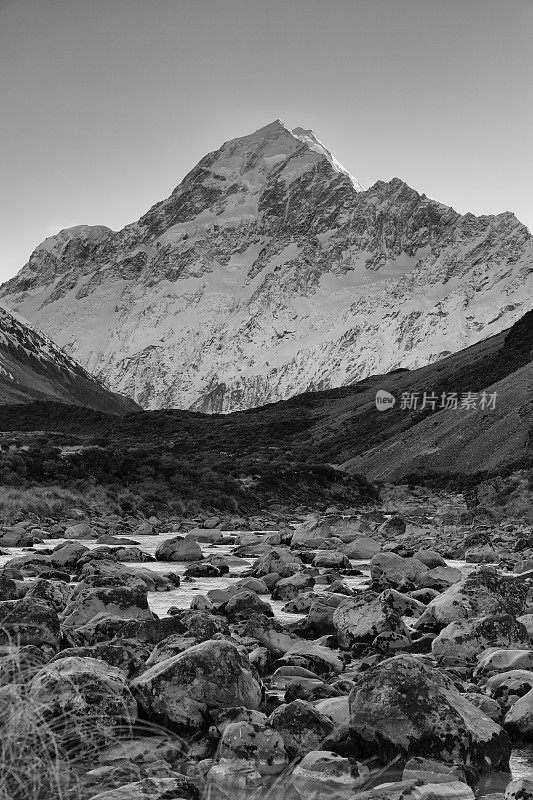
33,368
266,272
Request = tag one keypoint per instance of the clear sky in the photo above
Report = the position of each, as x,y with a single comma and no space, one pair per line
106,104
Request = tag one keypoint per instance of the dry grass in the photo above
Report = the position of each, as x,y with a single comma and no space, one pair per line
44,502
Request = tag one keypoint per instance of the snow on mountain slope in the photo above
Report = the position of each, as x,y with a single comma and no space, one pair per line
32,368
269,271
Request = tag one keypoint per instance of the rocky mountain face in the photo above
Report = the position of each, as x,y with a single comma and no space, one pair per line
341,426
269,271
33,368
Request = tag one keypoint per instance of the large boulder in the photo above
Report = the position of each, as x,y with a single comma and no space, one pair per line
205,535
440,578
27,565
179,549
253,742
124,656
389,569
183,690
497,661
363,618
245,603
480,593
308,539
121,602
91,697
302,727
314,657
519,719
363,548
29,622
276,561
323,773
269,633
430,558
81,530
66,555
331,559
289,588
463,641
404,707
54,594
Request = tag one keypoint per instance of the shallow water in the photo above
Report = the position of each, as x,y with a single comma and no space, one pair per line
521,764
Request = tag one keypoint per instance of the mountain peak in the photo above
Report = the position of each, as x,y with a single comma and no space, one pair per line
272,127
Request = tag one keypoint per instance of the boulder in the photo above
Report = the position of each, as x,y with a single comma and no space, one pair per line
389,569
8,589
202,625
481,555
322,773
441,578
416,790
205,535
519,789
485,704
463,641
362,618
82,530
153,580
29,622
362,548
27,565
183,690
305,539
179,549
504,660
480,593
515,683
519,719
331,559
527,620
302,727
245,603
337,709
430,771
269,633
91,697
66,555
302,603
255,743
314,657
289,588
124,657
253,584
18,538
430,558
404,707
232,779
320,618
54,594
121,602
282,563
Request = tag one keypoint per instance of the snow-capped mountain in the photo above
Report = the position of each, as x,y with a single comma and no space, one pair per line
33,368
269,271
